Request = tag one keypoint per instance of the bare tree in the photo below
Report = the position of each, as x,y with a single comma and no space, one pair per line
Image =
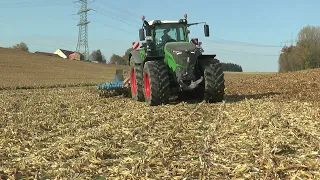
309,39
126,55
116,59
97,55
306,53
22,47
309,35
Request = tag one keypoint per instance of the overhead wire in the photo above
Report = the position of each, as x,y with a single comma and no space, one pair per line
124,15
215,40
223,41
244,53
31,4
112,26
120,9
114,17
128,18
108,14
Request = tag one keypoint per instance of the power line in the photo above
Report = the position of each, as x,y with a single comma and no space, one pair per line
82,46
125,20
250,54
120,9
240,53
120,16
112,26
83,28
223,41
113,16
30,5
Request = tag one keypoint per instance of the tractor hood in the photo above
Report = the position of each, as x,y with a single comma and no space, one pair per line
180,46
183,55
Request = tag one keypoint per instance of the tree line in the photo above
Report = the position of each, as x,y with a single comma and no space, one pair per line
124,60
231,67
305,54
97,56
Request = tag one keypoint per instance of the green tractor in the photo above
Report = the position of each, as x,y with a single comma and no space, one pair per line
167,63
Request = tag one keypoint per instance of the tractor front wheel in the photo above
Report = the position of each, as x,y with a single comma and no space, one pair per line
212,89
156,83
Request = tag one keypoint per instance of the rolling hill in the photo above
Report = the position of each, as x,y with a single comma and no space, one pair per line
29,70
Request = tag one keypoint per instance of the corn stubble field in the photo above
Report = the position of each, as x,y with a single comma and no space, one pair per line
267,128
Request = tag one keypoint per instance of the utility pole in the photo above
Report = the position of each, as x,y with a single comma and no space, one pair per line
82,46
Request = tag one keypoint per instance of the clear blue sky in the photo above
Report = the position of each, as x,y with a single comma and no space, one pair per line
235,26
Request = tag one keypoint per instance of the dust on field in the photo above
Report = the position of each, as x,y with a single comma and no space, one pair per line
72,133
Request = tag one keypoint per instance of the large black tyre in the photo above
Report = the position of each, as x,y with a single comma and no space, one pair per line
136,81
156,83
212,87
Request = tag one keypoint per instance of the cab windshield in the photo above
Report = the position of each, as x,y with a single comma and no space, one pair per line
164,33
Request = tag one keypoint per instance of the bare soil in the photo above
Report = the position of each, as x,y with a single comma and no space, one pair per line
267,128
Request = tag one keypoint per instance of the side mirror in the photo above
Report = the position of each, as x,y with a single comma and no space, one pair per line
206,30
148,31
141,34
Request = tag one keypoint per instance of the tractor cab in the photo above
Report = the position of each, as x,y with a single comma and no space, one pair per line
157,33
168,31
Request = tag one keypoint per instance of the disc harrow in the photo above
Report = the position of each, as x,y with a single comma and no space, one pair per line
118,87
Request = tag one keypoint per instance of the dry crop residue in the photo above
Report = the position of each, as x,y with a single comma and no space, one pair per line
74,134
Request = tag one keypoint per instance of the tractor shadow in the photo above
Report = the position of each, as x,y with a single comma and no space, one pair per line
231,98
189,101
241,97
176,100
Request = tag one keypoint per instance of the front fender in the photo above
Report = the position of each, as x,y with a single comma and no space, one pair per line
135,57
206,56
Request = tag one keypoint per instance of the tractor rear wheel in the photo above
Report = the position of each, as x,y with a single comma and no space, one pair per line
136,82
156,83
212,88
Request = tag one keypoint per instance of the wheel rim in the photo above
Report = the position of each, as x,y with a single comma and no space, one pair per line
147,85
133,82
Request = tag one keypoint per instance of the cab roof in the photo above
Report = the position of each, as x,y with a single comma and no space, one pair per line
163,22
180,21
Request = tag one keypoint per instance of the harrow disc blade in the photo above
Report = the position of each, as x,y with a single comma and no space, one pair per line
112,92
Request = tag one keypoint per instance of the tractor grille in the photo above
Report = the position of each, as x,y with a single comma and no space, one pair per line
186,59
